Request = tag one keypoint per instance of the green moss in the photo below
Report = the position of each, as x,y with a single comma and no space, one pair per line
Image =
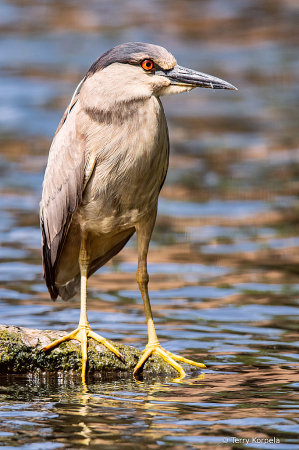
9,336
17,357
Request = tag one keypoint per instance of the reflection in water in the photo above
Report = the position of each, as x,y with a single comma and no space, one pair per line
159,411
224,255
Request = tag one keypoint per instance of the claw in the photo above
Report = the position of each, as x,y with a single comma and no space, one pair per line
186,361
81,334
169,357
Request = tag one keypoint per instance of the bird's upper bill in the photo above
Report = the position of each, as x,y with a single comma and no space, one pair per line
181,76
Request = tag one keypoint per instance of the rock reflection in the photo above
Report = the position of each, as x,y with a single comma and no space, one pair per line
111,413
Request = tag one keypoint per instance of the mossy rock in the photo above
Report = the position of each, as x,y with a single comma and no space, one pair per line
21,352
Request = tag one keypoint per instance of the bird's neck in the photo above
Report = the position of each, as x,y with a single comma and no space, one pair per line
107,101
118,112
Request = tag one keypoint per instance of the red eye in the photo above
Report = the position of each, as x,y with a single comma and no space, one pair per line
147,64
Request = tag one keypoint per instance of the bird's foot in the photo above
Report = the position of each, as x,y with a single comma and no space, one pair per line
170,358
81,334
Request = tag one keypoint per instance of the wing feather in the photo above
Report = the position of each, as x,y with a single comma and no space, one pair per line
62,191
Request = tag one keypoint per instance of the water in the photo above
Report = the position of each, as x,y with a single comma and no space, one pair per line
223,260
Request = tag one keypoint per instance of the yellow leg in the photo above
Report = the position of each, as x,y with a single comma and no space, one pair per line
144,232
84,331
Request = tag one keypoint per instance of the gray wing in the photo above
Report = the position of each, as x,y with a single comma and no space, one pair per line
62,190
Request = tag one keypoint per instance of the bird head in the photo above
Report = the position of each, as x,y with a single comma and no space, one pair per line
134,70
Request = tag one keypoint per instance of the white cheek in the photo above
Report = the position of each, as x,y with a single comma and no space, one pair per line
136,90
175,89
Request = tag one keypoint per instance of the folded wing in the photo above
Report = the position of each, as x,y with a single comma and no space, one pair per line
62,190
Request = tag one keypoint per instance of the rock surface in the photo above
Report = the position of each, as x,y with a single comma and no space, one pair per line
21,352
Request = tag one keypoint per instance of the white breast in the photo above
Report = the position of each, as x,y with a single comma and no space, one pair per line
131,163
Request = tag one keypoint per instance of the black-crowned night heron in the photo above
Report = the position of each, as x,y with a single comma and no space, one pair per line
106,167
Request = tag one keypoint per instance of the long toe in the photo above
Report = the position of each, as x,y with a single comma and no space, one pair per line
83,340
68,337
81,334
105,342
168,357
146,354
185,360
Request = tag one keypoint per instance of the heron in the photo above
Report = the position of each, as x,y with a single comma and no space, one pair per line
106,167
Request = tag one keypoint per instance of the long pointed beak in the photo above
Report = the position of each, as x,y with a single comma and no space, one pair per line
186,77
